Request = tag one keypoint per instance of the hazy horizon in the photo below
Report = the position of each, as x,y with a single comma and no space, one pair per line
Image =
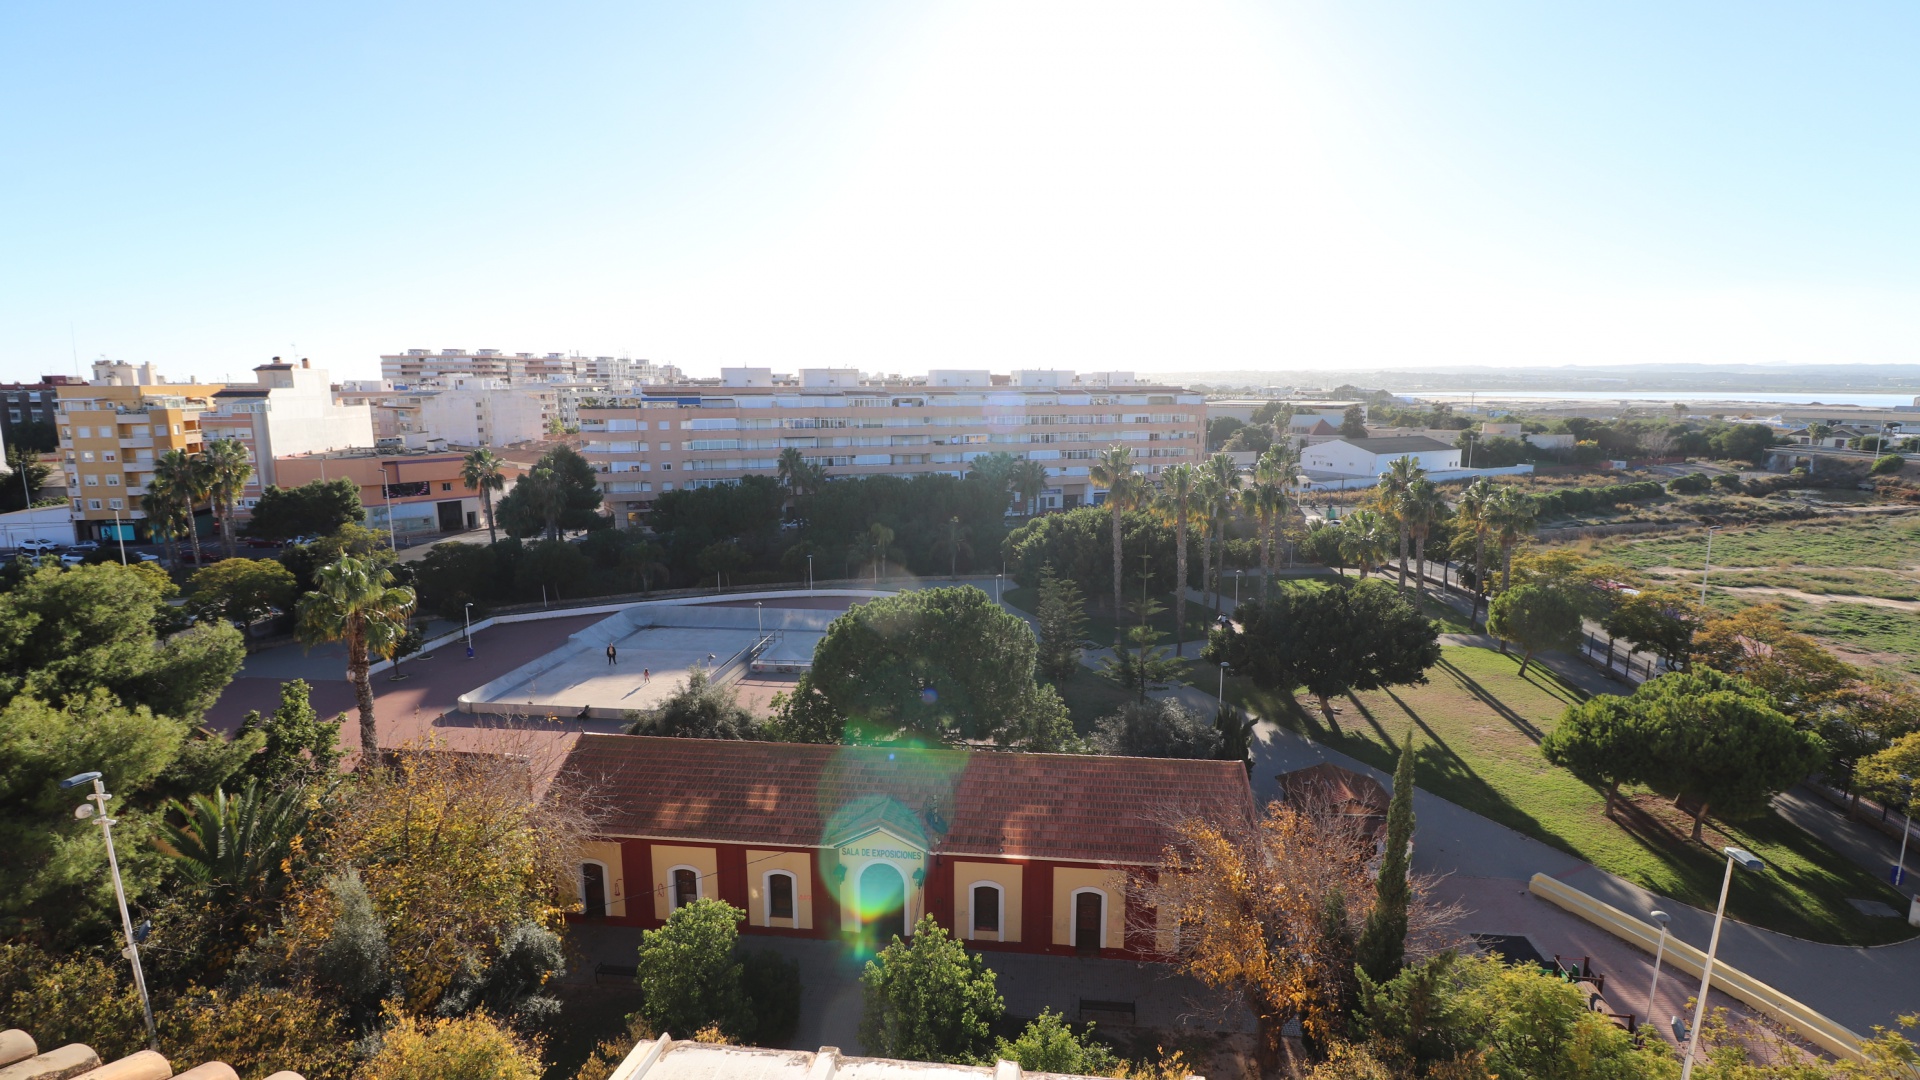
1284,187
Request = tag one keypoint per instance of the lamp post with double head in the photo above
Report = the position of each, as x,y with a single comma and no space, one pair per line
96,808
1747,861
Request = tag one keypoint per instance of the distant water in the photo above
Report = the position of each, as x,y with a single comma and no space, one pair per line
1871,401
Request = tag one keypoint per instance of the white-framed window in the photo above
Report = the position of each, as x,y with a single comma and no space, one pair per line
595,885
91,480
782,896
685,884
1079,912
986,909
86,455
86,433
113,479
79,504
93,504
113,504
108,455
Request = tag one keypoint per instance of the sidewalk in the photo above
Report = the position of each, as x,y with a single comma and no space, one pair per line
1489,865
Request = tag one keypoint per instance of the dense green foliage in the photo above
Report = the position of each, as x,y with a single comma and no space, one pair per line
1062,626
1332,640
1535,617
316,508
1048,1044
697,710
1381,949
1158,728
560,494
689,974
940,664
1574,500
1078,545
929,999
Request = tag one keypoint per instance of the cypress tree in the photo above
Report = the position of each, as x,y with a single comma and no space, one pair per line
1381,951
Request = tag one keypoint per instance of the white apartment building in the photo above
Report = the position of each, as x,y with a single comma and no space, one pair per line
1339,459
418,368
289,410
669,438
487,412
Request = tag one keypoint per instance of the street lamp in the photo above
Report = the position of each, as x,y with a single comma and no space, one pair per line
809,573
1747,861
467,613
1707,567
1236,587
1906,799
1659,951
386,490
96,807
1220,695
759,624
996,587
121,537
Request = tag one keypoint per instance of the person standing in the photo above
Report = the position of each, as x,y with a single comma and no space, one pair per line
610,656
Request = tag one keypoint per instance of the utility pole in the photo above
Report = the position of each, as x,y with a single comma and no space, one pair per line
96,807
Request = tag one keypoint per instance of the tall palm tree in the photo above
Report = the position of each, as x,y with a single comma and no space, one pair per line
1474,515
237,842
795,474
355,601
878,538
1401,474
228,470
1113,470
1421,507
1281,465
1512,521
995,469
1029,481
486,472
1220,492
1177,500
1365,539
182,482
164,511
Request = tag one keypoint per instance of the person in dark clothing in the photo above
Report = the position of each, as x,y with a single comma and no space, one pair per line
610,656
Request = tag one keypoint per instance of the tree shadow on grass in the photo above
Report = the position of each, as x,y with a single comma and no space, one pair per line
1522,724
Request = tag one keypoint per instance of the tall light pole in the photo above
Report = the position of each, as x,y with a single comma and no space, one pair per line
996,587
96,807
1659,951
1236,588
467,613
1220,695
1906,799
809,573
759,624
121,537
386,489
1707,567
1747,861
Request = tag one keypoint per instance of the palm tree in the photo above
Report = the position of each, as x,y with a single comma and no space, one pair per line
1401,474
1029,480
1219,491
1113,470
1473,513
1420,507
228,470
1177,499
1511,518
484,471
1366,540
796,475
180,480
236,842
995,469
878,537
355,601
164,511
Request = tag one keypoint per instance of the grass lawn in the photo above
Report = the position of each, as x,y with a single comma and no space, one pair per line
1886,635
1875,540
1478,725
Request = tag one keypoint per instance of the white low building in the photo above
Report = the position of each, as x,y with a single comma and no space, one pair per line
1339,459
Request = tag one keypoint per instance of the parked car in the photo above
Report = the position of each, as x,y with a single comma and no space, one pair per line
35,547
85,545
256,542
147,557
299,540
72,558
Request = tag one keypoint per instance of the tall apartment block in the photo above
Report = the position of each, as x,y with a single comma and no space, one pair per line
416,368
689,436
288,410
111,430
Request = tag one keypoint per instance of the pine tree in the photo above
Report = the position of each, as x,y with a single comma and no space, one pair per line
1063,625
1382,949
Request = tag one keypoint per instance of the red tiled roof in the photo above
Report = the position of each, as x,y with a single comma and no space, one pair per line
1068,807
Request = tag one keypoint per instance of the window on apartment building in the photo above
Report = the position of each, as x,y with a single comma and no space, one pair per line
86,455
108,455
13,416
66,433
92,480
113,504
86,433
446,485
113,479
666,466
93,504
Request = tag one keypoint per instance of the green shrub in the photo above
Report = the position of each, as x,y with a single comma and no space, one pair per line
1697,483
1888,464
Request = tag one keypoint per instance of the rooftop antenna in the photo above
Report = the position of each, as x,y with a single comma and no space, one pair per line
73,340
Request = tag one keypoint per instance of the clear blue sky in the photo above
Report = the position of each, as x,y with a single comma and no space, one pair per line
897,186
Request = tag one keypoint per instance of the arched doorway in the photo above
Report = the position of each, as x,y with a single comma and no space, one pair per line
883,903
